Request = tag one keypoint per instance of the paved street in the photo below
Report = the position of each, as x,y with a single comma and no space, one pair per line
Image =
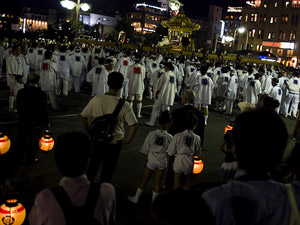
130,166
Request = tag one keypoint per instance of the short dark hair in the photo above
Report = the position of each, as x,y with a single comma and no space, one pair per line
14,47
72,153
115,80
169,66
33,78
63,48
101,61
260,137
203,70
48,54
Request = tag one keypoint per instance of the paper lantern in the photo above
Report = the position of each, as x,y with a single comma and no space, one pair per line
47,142
4,144
227,128
198,165
12,213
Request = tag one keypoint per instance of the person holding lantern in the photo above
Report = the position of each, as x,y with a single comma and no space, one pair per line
33,115
184,147
72,159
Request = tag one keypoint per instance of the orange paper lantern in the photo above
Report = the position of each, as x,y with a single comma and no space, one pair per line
12,212
198,165
227,128
4,144
47,142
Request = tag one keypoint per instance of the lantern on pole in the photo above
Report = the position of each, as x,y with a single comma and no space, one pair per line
198,165
12,212
4,143
46,142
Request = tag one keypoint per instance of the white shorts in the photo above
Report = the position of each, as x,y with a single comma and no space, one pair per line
155,166
204,106
183,164
139,97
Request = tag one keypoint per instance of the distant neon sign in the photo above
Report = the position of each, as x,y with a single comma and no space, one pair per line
150,6
283,45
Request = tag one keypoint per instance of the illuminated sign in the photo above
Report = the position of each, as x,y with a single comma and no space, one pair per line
234,9
283,45
150,6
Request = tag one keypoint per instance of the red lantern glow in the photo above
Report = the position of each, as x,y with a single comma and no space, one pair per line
4,144
47,142
12,212
227,128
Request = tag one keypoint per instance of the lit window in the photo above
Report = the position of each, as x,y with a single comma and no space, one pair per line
275,5
275,19
246,18
253,33
272,19
290,53
269,35
255,17
286,4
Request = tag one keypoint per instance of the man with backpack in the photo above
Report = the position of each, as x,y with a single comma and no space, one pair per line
75,201
103,118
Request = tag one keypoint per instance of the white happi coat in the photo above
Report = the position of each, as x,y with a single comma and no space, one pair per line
184,146
232,88
65,64
167,88
26,66
136,75
155,78
276,93
266,84
252,91
48,72
204,90
222,83
151,67
39,57
94,76
102,86
122,67
31,56
156,145
283,81
78,64
13,67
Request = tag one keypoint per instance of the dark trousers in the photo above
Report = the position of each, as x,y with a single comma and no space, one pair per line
107,155
27,144
169,184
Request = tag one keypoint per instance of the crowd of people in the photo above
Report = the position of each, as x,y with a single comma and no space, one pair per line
37,73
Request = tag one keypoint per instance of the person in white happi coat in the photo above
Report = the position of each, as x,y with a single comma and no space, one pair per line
165,93
136,75
231,92
247,79
65,66
78,64
276,92
19,84
13,67
87,57
32,51
25,62
151,67
95,56
93,75
222,83
189,71
154,148
292,99
122,67
266,84
2,52
215,75
48,73
155,78
253,90
39,57
184,146
204,92
180,77
283,82
102,87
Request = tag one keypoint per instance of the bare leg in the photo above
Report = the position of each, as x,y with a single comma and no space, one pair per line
177,180
147,174
158,177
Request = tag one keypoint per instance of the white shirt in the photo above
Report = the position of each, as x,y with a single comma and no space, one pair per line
205,87
276,93
14,66
252,91
294,85
167,88
232,88
136,75
78,64
48,72
122,67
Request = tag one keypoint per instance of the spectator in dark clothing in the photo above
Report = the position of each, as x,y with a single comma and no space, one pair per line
33,118
178,125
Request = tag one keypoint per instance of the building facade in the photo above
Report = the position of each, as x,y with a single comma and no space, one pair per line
271,25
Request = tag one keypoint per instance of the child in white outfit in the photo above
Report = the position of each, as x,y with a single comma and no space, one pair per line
185,146
154,148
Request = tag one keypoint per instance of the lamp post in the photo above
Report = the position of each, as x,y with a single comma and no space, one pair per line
71,5
241,30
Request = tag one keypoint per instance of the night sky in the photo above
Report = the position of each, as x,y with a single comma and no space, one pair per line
195,8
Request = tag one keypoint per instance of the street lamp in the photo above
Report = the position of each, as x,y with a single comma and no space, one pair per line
71,5
241,30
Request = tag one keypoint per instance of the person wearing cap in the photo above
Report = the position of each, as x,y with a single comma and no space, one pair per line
165,93
136,75
33,115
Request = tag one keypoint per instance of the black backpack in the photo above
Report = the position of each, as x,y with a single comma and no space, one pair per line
78,214
102,127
